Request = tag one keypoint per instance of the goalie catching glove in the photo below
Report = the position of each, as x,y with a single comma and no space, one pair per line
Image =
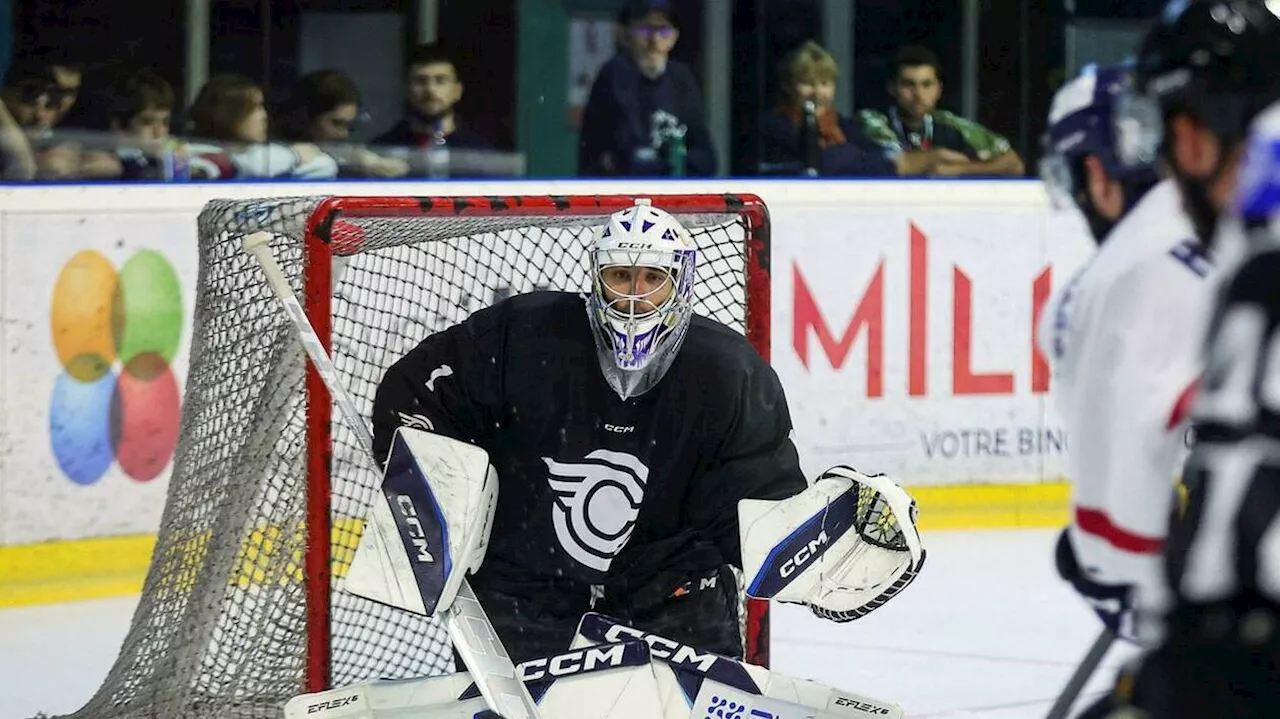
844,546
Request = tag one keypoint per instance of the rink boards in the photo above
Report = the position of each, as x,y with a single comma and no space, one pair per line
902,323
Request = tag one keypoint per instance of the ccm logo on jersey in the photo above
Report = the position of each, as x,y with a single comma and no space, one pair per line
331,704
804,556
619,429
575,662
416,534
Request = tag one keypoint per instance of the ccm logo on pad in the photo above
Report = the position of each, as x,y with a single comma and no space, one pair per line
416,535
575,662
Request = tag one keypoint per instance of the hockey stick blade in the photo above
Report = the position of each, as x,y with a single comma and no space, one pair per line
469,627
1062,707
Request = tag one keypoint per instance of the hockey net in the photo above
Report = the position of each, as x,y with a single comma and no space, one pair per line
242,607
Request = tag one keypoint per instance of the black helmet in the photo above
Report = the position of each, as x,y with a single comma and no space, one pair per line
1218,60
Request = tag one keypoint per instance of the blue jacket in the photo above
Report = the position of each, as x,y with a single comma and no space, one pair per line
616,121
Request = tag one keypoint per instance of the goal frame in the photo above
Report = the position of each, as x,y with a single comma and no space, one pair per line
320,246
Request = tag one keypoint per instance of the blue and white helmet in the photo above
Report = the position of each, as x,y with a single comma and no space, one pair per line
638,333
1258,196
1093,115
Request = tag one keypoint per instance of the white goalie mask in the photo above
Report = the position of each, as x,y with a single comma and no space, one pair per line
641,302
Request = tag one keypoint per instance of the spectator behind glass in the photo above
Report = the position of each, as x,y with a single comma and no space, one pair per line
67,75
432,91
793,143
322,108
136,107
33,97
28,94
645,116
229,123
18,109
914,124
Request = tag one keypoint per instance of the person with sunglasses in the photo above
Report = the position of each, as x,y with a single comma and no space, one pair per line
35,98
324,108
645,115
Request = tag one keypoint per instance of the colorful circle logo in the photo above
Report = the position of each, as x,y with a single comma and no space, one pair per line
116,334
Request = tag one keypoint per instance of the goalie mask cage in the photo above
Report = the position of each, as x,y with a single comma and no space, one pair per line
242,607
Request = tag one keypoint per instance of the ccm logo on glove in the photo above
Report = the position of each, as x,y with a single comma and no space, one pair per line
802,557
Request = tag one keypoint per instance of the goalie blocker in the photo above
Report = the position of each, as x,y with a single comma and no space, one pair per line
433,528
612,671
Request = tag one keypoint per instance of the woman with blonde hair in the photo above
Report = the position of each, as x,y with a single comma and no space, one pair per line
805,135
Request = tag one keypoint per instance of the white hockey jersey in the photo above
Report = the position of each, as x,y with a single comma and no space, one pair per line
1124,338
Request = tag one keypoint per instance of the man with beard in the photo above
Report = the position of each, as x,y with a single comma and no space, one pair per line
432,90
914,124
645,116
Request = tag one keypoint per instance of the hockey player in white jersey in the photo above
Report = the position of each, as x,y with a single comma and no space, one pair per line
1123,339
1210,68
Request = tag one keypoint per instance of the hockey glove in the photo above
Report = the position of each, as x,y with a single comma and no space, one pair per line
1111,602
844,546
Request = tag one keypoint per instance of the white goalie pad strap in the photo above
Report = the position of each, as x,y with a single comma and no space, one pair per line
432,526
844,546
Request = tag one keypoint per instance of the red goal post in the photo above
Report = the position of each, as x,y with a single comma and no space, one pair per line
333,230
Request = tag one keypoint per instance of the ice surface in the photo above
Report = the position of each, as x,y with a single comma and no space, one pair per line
986,632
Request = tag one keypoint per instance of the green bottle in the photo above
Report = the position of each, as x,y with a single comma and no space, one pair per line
676,152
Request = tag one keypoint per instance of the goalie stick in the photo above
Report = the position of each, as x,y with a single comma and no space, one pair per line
469,628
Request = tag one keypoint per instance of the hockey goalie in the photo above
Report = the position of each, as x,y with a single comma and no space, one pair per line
838,546
596,474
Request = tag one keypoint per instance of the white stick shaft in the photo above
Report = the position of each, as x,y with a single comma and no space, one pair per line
469,627
311,342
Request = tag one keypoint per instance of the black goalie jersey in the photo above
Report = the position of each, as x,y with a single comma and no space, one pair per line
596,494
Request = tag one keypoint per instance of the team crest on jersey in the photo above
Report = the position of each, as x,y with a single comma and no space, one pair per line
597,501
417,421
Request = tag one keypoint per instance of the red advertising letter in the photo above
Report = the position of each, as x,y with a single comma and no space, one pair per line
964,380
918,306
869,314
1040,290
